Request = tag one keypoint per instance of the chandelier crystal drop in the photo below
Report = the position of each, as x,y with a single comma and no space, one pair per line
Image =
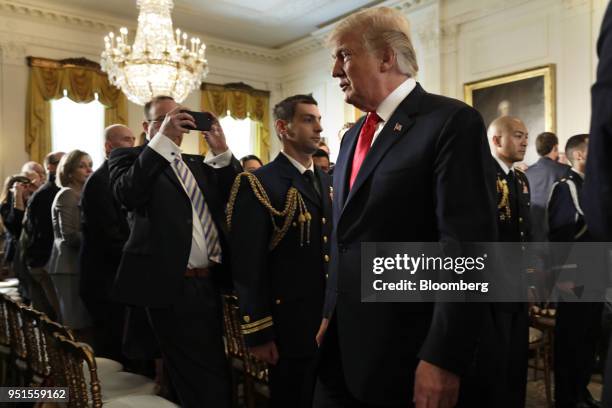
160,62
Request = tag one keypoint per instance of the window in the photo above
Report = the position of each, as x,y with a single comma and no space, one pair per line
240,135
78,126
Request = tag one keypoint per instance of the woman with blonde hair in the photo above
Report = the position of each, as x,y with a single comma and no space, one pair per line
73,170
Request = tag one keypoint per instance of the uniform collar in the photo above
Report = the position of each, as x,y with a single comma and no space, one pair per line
393,100
503,165
578,173
299,165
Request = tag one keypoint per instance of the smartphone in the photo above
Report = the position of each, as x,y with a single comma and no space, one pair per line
203,120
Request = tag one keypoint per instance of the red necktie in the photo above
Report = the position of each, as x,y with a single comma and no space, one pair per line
363,144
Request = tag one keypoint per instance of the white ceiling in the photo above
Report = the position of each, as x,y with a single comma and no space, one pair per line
266,23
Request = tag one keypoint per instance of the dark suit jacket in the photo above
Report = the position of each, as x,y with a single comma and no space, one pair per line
12,219
156,254
541,175
598,183
428,177
105,231
286,284
38,226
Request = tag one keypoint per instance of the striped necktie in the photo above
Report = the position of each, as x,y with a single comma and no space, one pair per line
211,235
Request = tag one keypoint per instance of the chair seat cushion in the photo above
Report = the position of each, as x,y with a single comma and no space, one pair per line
120,384
137,401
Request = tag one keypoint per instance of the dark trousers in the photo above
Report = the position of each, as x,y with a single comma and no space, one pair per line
292,382
577,331
190,339
109,321
331,390
498,377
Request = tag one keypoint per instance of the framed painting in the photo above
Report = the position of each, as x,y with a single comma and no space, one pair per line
528,95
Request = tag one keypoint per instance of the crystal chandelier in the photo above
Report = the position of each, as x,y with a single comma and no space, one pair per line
160,62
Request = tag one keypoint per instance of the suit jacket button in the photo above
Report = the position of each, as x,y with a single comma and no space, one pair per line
323,221
277,301
327,276
326,258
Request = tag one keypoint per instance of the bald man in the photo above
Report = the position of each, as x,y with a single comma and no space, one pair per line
504,345
105,230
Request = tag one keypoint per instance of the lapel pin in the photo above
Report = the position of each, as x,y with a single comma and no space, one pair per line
398,127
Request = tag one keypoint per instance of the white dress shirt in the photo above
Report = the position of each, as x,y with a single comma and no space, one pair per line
198,257
503,165
391,102
299,165
581,174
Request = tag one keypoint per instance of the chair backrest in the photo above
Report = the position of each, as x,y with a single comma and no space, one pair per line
235,340
16,332
37,356
49,328
72,355
5,336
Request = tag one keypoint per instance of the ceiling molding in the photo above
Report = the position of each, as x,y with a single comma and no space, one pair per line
104,23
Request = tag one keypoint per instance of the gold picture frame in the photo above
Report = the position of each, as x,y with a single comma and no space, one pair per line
532,94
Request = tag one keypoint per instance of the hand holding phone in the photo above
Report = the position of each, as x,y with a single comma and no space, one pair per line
203,120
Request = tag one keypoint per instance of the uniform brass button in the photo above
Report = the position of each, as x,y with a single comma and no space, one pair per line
522,233
327,276
323,220
277,301
294,224
326,258
520,219
325,239
246,318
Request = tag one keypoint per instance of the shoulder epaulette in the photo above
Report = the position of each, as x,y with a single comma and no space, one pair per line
293,202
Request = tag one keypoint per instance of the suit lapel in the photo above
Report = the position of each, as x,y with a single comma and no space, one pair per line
395,128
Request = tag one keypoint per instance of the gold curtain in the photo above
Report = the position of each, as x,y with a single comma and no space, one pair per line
81,79
242,101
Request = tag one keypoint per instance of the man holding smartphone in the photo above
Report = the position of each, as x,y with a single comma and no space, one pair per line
175,257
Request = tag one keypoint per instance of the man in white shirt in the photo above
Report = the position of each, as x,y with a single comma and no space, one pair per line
176,254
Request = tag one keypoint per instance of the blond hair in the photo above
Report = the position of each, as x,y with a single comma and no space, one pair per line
381,27
68,164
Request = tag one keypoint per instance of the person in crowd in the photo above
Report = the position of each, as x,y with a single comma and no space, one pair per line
37,239
73,170
505,342
250,163
408,157
321,160
578,324
105,230
597,192
541,175
323,146
281,312
15,193
176,255
35,172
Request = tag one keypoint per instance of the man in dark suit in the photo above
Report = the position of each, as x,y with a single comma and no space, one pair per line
598,183
578,324
37,239
176,253
400,176
280,277
541,175
105,230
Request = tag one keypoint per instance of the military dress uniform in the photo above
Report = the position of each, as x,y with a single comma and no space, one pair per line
578,325
501,360
279,218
